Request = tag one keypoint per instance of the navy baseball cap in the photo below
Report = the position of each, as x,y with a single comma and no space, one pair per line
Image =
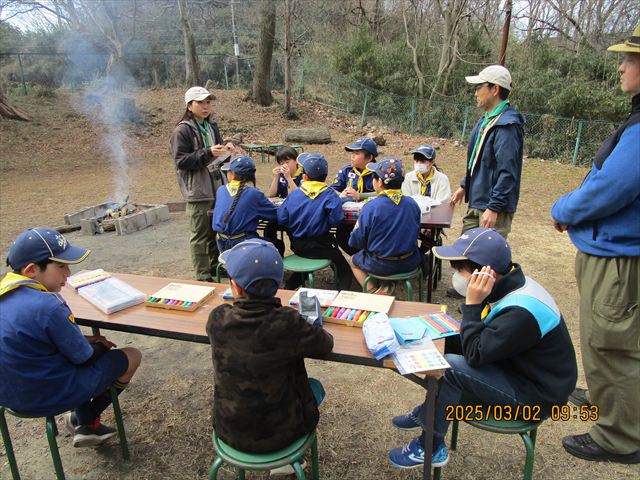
426,150
38,244
314,165
254,260
241,165
387,169
364,143
483,246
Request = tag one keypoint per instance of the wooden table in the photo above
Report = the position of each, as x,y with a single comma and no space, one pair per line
349,345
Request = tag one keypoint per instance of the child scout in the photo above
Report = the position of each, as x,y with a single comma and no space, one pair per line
426,179
386,233
47,365
517,353
263,400
309,212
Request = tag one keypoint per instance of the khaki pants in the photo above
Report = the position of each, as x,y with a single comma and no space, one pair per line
471,220
610,344
202,243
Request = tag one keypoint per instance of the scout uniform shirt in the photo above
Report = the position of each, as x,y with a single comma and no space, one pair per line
252,206
282,188
311,210
361,181
41,350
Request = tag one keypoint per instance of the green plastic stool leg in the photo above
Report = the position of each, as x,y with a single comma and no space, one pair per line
421,287
335,274
310,276
454,435
315,466
8,446
436,473
119,423
529,440
240,474
409,289
365,285
215,466
298,469
218,267
53,447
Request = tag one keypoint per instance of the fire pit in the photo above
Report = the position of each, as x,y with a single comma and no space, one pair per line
123,217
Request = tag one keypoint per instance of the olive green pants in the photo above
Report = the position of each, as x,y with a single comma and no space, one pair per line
610,344
471,220
202,243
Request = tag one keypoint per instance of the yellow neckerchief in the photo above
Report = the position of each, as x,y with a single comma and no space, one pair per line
487,307
394,195
295,175
361,175
232,187
12,281
312,188
424,182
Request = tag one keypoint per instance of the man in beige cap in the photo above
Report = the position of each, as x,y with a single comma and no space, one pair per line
491,185
605,228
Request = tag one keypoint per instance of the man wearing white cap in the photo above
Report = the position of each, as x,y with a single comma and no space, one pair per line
491,185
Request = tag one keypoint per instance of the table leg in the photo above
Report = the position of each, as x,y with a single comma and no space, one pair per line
430,259
428,414
95,331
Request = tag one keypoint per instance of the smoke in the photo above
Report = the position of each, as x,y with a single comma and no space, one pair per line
105,103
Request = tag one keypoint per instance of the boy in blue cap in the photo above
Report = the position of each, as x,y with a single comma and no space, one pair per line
354,182
309,212
240,206
263,400
47,365
516,347
386,233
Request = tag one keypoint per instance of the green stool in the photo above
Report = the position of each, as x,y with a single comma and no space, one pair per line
272,149
295,263
526,430
297,147
52,432
262,462
407,277
255,147
219,272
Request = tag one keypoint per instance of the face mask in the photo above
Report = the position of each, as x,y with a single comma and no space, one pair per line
420,167
460,284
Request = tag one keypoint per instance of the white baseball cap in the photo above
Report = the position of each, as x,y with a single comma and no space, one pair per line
198,94
496,74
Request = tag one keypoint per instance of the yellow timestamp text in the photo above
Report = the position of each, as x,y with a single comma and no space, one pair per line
585,413
470,413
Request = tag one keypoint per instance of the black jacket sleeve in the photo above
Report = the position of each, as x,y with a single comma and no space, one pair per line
510,332
185,151
313,341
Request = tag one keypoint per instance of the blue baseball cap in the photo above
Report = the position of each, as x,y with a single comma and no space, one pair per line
364,143
483,246
426,150
314,164
387,169
254,260
242,165
38,244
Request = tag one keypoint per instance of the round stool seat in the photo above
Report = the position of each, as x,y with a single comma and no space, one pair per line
263,460
397,276
504,426
294,263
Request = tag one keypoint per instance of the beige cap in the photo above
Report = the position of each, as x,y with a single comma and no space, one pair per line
198,94
496,74
630,45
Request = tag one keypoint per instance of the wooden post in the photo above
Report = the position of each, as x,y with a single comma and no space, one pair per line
363,119
24,84
505,32
578,137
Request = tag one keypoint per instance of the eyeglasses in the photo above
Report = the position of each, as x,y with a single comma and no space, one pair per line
480,85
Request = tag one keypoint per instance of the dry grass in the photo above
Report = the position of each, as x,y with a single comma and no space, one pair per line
55,166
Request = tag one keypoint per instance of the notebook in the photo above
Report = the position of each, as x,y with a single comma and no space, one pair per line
111,295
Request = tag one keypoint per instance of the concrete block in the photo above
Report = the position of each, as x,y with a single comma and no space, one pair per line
89,226
131,223
157,214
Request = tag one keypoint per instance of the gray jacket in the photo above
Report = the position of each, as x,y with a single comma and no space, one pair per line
192,159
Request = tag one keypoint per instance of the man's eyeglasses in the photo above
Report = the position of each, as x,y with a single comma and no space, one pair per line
480,85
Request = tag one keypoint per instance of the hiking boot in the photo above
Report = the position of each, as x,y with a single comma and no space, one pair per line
453,293
92,435
411,455
579,397
410,421
585,447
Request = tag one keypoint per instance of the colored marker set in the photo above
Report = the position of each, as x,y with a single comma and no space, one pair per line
180,296
347,316
168,301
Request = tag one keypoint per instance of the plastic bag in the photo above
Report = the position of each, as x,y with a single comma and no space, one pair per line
379,335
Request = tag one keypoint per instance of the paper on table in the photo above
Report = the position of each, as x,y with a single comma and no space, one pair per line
363,301
408,328
421,356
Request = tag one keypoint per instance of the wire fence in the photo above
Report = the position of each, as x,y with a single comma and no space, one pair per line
566,140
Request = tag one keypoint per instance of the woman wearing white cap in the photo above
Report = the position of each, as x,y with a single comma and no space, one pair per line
195,144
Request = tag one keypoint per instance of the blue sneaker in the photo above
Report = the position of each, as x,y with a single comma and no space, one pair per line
410,421
411,455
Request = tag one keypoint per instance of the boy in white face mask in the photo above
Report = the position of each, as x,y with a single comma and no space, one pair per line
425,179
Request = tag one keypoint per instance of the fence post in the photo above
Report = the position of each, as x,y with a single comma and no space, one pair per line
414,108
363,119
24,84
226,76
166,69
577,147
465,123
337,95
301,88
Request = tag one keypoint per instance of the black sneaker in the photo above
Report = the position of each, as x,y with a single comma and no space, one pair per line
92,435
579,397
585,447
453,293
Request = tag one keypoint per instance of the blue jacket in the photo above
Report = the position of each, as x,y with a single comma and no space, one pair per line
307,218
495,183
603,215
385,229
282,188
41,354
347,176
252,206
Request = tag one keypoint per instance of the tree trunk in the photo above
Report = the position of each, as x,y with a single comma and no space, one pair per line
262,77
192,67
289,5
9,112
307,135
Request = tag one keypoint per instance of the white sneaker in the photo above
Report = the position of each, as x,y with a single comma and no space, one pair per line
285,470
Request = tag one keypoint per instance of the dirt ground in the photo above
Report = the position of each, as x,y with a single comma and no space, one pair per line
56,165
